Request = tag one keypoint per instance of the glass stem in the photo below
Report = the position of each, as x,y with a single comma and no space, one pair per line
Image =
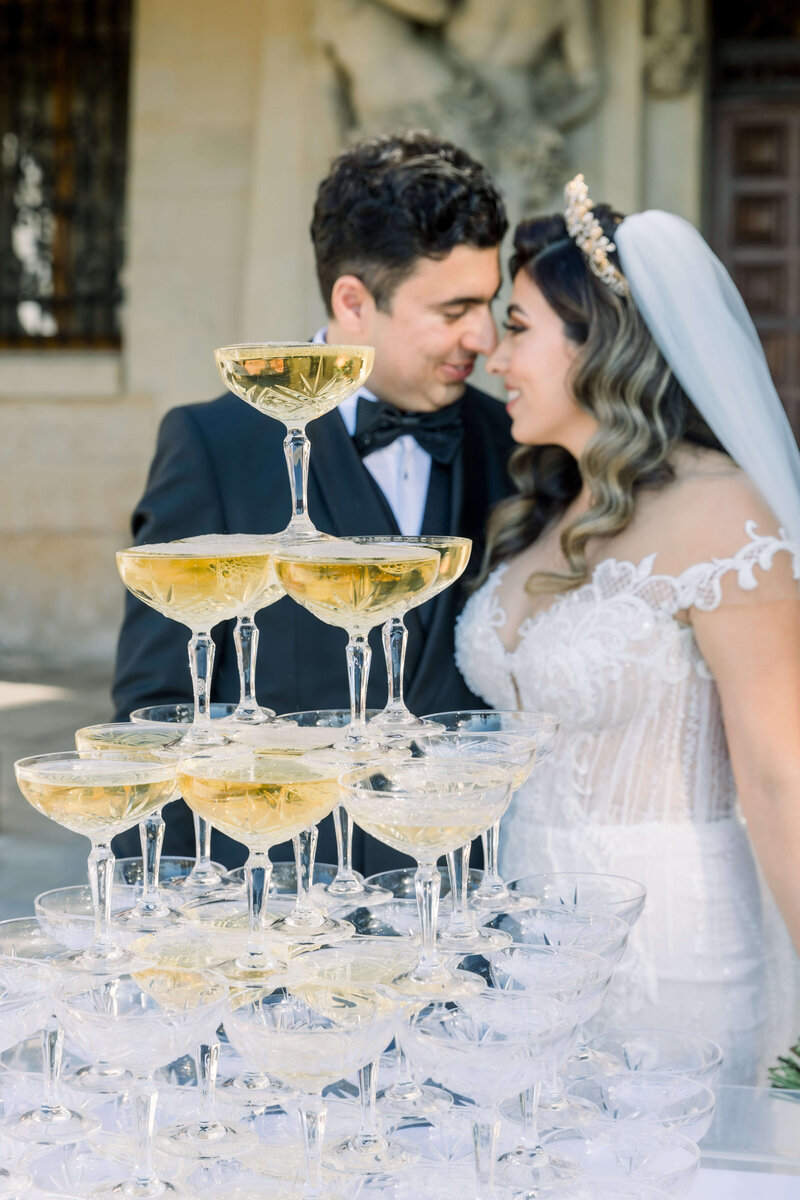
101,875
245,637
207,1063
359,656
305,852
404,1086
368,1134
343,828
458,870
312,1119
201,665
258,871
529,1106
52,1047
297,449
151,834
202,848
143,1098
484,1132
395,640
427,884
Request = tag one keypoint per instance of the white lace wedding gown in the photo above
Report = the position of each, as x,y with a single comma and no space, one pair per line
640,785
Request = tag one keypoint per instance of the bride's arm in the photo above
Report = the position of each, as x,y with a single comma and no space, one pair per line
753,651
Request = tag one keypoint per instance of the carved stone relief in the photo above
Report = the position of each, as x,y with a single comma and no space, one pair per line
672,48
504,79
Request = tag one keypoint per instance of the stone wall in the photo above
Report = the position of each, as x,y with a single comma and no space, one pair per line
235,113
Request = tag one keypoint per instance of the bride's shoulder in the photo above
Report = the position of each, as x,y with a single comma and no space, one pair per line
711,503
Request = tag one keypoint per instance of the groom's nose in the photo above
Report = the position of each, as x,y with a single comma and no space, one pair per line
480,337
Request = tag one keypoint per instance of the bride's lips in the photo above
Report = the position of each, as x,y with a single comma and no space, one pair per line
457,372
513,396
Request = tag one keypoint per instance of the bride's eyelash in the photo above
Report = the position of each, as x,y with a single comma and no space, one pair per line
511,327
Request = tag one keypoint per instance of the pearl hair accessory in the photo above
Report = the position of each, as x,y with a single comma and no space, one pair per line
585,230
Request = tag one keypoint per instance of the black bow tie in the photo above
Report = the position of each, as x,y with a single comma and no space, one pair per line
379,423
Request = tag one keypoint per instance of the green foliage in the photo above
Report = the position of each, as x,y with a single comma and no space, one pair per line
787,1073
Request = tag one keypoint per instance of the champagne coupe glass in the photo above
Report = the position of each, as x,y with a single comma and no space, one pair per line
22,1012
245,634
600,933
583,890
199,586
375,961
454,555
424,808
626,1160
317,729
123,740
678,1104
512,753
206,877
260,800
142,1022
577,979
29,962
356,584
294,382
310,1035
667,1051
98,797
542,728
206,1136
487,1048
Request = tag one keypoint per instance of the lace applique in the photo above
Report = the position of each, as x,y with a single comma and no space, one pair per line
700,586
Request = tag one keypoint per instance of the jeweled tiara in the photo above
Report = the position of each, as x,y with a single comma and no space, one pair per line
586,231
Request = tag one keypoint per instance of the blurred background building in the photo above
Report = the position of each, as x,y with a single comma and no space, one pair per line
158,163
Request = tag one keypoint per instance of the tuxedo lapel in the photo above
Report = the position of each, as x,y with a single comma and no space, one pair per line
341,493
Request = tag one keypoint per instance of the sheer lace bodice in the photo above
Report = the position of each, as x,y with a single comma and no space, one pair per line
642,738
640,782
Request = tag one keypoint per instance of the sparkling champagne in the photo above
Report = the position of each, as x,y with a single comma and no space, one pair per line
243,543
357,585
257,799
294,382
197,589
95,796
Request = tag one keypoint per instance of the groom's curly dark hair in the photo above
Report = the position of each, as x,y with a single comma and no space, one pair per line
391,200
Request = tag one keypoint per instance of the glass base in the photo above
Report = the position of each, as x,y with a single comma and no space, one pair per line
206,1139
345,885
438,984
135,1190
253,1088
251,968
148,920
369,1156
320,933
473,941
243,714
492,894
57,1127
426,1100
300,529
101,960
201,737
102,1079
207,880
527,1168
400,722
565,1112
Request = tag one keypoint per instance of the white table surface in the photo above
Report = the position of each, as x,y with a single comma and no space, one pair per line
743,1185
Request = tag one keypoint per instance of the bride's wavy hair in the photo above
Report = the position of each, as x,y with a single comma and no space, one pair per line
619,376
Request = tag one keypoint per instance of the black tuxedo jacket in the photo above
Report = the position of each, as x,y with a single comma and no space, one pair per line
219,468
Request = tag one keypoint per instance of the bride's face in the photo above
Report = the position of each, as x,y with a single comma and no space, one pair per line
534,359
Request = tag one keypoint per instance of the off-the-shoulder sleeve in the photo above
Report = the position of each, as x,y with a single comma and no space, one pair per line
765,568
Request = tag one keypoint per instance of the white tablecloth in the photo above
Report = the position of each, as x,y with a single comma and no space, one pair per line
743,1185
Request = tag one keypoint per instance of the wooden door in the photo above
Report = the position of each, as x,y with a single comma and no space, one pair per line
755,225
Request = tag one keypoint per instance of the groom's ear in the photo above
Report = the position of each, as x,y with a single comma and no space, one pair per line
352,304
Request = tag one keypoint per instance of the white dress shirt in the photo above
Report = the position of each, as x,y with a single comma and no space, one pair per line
401,470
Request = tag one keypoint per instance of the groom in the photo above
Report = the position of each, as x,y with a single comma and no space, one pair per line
406,233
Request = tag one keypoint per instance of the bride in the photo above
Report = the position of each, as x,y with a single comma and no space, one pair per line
643,586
